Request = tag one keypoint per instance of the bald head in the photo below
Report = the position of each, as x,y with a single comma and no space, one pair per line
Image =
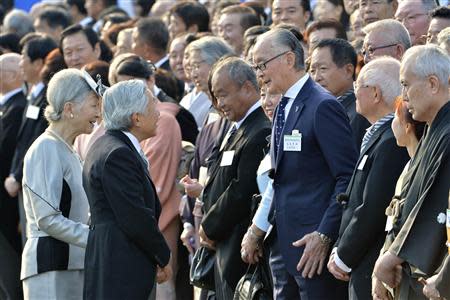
10,72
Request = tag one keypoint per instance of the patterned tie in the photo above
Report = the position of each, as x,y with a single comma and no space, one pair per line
229,137
280,121
371,130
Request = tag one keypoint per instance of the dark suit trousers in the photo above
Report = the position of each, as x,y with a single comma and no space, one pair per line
289,287
223,290
10,285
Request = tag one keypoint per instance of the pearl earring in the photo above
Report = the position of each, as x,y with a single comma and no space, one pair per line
71,115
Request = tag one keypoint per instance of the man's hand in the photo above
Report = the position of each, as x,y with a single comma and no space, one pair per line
314,254
204,240
379,291
163,274
388,269
187,236
251,245
191,186
12,186
337,272
430,291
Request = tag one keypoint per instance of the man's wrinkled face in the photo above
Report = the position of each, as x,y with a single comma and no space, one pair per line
375,10
230,29
416,20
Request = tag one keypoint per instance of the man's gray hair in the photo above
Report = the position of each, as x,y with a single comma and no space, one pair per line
121,101
428,60
211,48
383,72
65,86
444,38
392,30
19,22
238,70
284,40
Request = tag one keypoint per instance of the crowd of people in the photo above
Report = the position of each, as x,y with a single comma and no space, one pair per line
310,138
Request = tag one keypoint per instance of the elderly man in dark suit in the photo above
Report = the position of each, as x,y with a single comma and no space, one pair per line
232,177
371,188
125,249
313,155
12,104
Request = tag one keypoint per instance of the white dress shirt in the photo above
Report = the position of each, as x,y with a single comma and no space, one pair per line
9,95
292,93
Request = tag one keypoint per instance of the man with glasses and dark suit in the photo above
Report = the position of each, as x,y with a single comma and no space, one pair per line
313,155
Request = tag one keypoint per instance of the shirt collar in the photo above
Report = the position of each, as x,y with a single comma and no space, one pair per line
293,91
9,95
161,61
345,95
156,90
249,111
133,140
85,21
36,89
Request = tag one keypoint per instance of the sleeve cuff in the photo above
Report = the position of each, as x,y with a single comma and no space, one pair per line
341,265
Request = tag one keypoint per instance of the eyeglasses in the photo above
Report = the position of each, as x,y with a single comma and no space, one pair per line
263,66
410,19
370,50
356,86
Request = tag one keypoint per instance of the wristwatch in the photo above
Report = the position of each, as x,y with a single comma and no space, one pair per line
324,238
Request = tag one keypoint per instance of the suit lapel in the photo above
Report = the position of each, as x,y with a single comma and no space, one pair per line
294,114
375,137
236,139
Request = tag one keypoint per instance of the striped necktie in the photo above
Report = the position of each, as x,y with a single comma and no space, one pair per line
372,129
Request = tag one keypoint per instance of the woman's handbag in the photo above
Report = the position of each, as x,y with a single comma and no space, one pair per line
254,285
201,273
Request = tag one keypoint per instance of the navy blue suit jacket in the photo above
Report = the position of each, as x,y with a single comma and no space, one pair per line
306,183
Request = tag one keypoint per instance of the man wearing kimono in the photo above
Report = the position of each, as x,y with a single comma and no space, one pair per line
418,246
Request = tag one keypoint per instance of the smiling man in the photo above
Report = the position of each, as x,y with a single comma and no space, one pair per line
79,46
313,156
232,177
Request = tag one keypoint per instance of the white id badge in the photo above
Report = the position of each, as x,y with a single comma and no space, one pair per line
362,162
32,112
293,142
389,223
203,175
227,158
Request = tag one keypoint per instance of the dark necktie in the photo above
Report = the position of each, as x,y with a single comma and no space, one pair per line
229,137
280,121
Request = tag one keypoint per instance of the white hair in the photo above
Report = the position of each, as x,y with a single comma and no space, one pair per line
392,30
383,72
211,48
444,38
428,60
19,22
65,86
121,101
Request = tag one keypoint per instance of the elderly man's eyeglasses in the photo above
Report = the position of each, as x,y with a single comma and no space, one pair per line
262,66
370,50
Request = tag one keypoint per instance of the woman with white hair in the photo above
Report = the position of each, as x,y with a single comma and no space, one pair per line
125,250
56,205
